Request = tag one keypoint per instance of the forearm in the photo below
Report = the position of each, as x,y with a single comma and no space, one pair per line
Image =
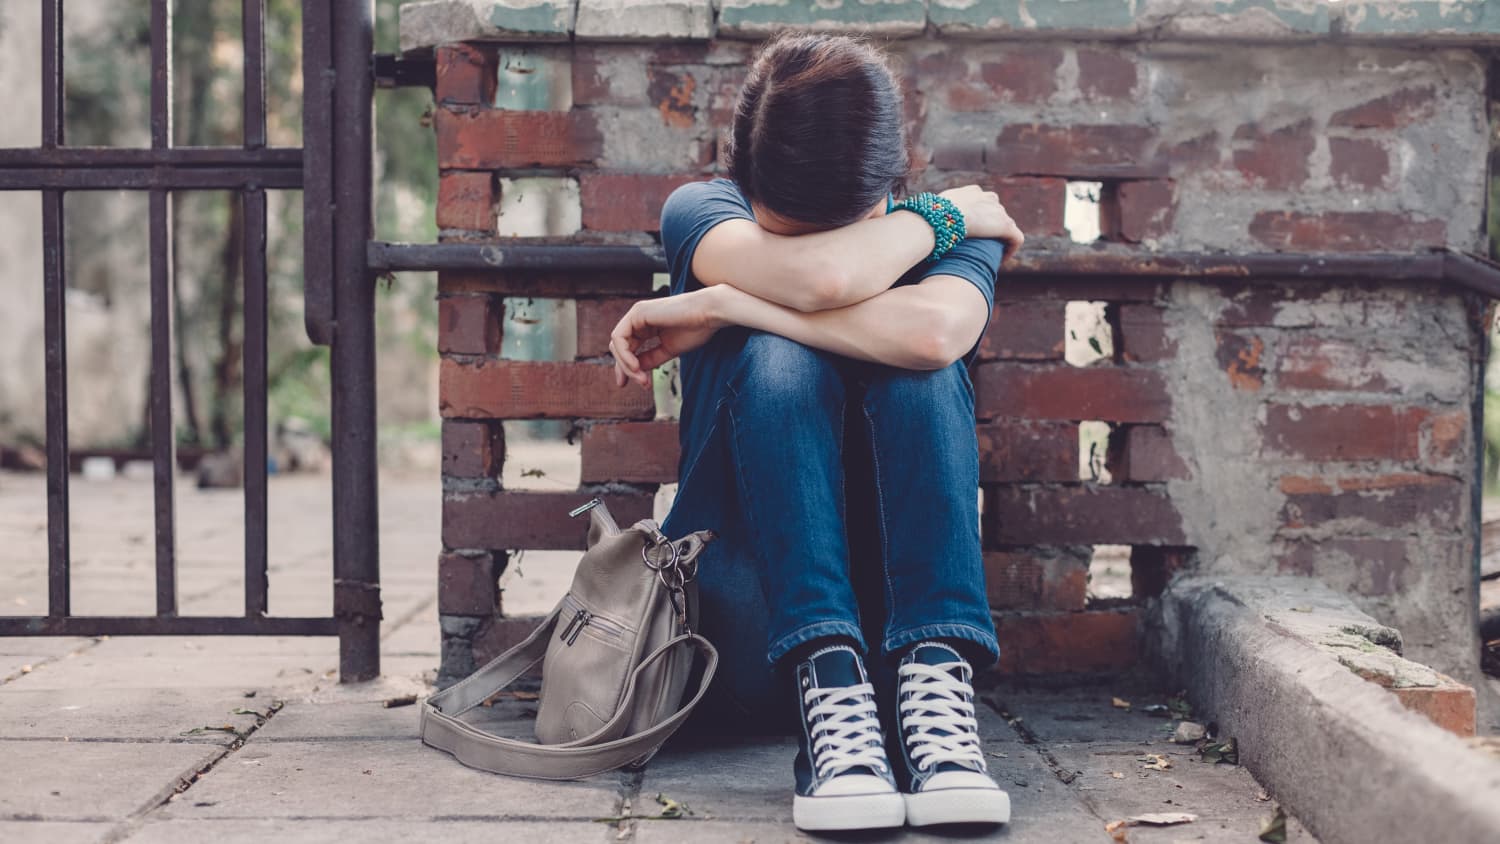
818,271
925,326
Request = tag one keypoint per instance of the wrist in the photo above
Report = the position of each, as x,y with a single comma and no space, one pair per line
720,301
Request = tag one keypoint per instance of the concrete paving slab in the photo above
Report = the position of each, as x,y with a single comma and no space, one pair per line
54,832
156,714
379,831
371,779
727,778
323,721
51,646
92,780
99,668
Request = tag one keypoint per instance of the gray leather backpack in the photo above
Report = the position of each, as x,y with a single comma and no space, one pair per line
616,653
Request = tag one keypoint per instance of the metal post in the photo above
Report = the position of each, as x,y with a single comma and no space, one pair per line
356,547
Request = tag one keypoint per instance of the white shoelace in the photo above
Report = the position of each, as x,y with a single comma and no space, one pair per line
937,714
845,729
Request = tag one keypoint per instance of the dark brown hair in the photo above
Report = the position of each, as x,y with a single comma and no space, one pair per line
818,134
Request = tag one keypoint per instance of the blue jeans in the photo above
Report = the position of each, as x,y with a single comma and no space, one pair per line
845,497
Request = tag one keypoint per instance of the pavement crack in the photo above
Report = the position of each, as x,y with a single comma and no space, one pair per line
629,795
27,669
128,827
1028,737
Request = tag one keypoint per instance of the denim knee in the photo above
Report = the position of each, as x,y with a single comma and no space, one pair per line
783,375
944,392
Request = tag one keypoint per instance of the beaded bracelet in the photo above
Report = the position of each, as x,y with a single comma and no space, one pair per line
946,220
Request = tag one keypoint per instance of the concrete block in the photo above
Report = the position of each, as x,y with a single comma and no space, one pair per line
757,19
1468,19
156,714
435,22
55,832
85,780
1000,17
373,830
1310,729
645,20
363,779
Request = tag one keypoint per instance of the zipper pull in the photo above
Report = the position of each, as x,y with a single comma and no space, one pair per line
583,618
575,513
572,623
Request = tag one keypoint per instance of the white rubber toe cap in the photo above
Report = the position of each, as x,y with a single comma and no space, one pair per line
847,784
959,779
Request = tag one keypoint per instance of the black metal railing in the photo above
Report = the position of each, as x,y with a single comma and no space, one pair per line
333,171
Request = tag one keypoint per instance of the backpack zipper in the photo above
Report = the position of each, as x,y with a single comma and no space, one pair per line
583,618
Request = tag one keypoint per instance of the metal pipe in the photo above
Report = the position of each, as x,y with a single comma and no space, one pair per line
356,547
163,433
255,400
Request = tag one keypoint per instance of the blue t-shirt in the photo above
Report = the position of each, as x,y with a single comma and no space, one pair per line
696,207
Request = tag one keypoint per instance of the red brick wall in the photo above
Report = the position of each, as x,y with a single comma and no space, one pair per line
1262,425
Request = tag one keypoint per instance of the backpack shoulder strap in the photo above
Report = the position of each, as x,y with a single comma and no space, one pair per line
477,748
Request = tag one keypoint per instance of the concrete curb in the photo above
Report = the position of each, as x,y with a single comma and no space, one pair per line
1339,752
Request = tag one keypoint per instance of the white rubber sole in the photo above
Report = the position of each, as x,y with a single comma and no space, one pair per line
957,805
849,811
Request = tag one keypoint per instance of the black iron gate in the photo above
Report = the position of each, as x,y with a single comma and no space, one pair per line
332,168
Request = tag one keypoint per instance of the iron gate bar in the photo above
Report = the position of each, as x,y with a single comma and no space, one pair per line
253,36
1467,270
317,171
356,542
147,178
256,398
180,625
54,316
225,158
163,432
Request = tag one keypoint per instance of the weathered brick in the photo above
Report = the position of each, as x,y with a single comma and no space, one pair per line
653,21
1141,333
626,202
511,389
1390,111
1080,151
1061,643
1255,305
1343,431
1069,515
472,449
1146,454
468,584
1105,74
555,284
1108,393
1145,209
1277,159
1357,162
1030,329
1037,578
1152,567
1020,73
1028,451
493,139
1400,501
466,200
670,90
962,155
757,19
499,634
1374,566
1199,152
630,452
597,318
465,74
468,324
1448,436
1241,356
1450,704
1314,362
1345,231
1093,288
532,520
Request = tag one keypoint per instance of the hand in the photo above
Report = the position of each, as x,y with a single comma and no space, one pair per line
654,331
985,217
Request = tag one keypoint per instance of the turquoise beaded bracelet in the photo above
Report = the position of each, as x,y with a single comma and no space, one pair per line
946,220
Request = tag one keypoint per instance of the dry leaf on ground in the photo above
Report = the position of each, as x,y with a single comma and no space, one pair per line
1116,830
1154,762
1117,775
1161,819
1120,703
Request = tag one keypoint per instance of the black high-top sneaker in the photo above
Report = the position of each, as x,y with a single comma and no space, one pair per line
943,772
844,779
